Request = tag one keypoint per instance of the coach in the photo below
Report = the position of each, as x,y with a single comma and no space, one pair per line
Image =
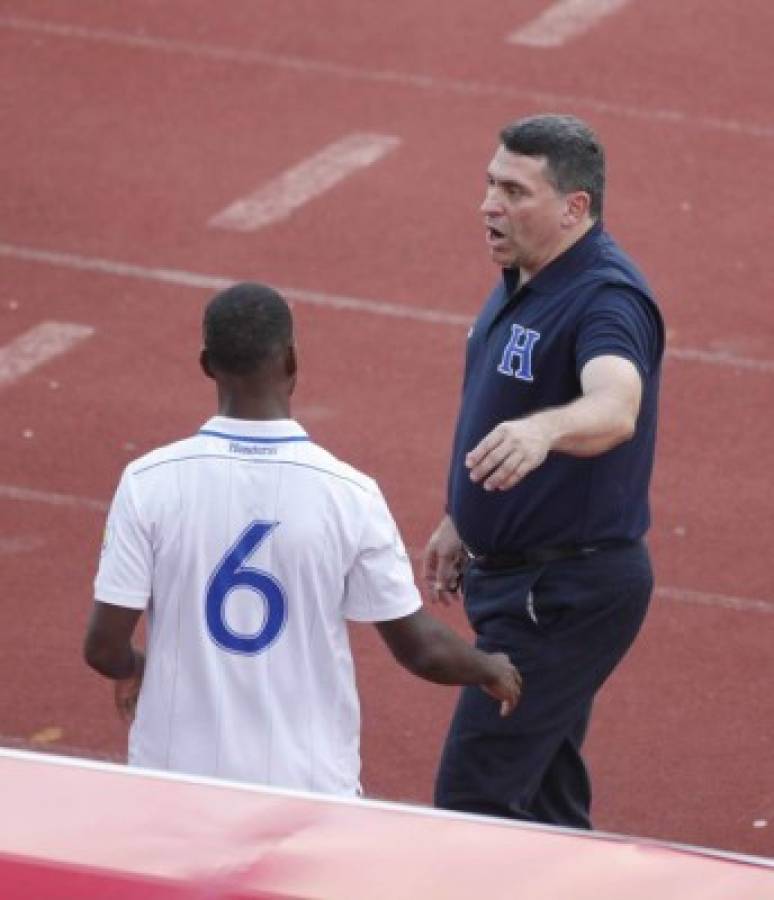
548,483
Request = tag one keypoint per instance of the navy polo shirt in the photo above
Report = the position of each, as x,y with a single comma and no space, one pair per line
525,353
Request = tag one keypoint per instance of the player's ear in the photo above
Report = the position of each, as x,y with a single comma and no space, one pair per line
291,361
204,362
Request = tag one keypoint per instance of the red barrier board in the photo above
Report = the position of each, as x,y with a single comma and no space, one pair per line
75,829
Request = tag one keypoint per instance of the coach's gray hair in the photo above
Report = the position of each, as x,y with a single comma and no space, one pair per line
575,158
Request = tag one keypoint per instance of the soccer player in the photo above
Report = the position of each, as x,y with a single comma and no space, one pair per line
249,547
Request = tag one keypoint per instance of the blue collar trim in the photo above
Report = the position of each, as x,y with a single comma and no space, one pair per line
251,439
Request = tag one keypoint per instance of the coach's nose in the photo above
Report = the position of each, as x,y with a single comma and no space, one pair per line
492,203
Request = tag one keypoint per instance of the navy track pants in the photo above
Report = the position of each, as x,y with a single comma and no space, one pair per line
566,625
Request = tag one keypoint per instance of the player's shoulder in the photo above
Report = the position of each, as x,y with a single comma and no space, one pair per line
341,473
163,455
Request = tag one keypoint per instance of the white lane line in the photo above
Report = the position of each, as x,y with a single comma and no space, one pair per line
278,199
738,604
219,282
401,79
37,346
16,545
719,358
564,20
329,301
683,595
30,495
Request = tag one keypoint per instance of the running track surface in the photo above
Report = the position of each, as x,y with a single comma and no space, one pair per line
125,130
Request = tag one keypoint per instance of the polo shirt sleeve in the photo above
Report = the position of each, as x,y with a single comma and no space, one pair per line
380,584
620,322
124,575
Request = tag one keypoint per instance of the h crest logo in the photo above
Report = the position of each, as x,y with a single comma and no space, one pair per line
519,350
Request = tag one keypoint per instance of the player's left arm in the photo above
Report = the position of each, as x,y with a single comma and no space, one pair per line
431,650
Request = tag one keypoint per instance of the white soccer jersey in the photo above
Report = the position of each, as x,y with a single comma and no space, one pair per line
250,546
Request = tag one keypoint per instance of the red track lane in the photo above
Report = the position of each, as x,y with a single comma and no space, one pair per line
121,139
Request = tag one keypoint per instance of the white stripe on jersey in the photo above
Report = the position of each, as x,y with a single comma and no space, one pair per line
250,546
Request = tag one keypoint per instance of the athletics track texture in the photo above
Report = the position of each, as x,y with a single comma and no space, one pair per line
126,129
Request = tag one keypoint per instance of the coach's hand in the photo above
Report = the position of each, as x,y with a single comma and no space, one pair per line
510,451
504,684
443,562
127,690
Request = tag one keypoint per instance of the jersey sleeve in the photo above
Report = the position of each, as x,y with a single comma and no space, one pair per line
380,584
621,322
124,575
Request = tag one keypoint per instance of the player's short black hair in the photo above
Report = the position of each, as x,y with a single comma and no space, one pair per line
244,326
575,158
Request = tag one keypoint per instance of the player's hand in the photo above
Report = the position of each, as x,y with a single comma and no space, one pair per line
127,690
504,684
443,562
510,451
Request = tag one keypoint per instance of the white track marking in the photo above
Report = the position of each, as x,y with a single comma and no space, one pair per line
682,595
37,346
14,546
720,357
564,20
29,495
219,282
401,79
278,199
738,604
330,301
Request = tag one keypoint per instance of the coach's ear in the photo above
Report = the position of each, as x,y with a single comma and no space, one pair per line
577,208
204,362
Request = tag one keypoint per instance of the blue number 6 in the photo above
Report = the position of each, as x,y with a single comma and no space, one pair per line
231,574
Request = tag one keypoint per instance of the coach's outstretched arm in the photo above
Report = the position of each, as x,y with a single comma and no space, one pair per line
604,416
431,650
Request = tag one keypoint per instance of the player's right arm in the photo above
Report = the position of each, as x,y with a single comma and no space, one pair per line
108,649
431,650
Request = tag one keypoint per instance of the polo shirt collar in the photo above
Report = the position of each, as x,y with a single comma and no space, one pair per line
267,429
575,258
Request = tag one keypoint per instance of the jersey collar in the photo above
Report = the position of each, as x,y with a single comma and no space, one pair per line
270,431
574,259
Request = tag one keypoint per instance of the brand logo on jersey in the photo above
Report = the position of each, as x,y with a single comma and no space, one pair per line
517,355
253,449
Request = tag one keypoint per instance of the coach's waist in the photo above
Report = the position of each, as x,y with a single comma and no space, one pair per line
539,556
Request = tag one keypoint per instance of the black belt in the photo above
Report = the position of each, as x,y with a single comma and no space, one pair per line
541,555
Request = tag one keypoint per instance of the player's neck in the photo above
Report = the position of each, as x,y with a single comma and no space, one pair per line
256,408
